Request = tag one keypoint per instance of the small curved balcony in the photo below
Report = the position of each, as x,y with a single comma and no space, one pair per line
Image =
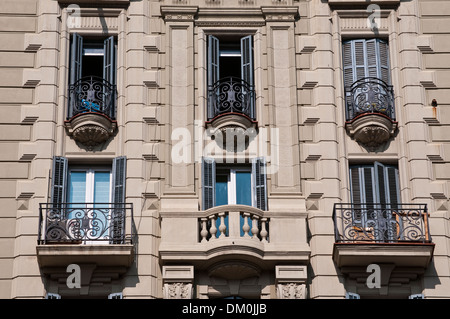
231,102
370,111
91,116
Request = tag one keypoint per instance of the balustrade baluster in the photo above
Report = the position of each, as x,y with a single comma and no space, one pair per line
246,226
222,226
264,232
255,229
213,229
204,231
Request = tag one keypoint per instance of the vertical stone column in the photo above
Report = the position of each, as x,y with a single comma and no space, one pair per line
282,105
290,282
179,109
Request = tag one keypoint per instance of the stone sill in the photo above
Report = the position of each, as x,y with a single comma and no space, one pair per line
362,3
408,254
109,255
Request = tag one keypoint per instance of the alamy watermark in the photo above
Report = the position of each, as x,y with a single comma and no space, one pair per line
373,20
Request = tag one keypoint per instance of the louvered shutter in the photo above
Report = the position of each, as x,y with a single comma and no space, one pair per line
59,181
208,182
393,186
384,71
348,63
359,60
119,179
372,63
109,61
116,295
247,69
76,58
213,70
380,185
118,196
259,182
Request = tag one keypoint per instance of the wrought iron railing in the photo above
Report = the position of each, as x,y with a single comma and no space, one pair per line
92,94
231,95
381,223
369,95
85,223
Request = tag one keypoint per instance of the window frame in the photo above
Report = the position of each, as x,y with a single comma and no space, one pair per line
90,181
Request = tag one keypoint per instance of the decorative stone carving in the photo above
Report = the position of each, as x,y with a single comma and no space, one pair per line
177,290
90,129
291,291
371,130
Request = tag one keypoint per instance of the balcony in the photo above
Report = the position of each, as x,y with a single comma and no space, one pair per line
249,237
370,111
382,234
91,116
95,234
231,102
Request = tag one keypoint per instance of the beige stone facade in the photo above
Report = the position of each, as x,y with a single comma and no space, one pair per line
334,103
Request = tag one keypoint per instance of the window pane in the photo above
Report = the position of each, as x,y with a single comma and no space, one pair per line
244,188
101,187
77,187
221,190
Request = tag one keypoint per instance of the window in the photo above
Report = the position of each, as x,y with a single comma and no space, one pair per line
92,76
367,78
230,75
87,203
376,201
352,295
228,185
366,58
375,183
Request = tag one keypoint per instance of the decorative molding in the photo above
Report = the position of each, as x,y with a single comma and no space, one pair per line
280,14
179,13
291,291
425,44
178,290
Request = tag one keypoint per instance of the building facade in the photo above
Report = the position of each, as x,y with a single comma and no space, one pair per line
200,149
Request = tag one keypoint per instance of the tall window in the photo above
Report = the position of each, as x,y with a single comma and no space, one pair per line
230,75
228,185
367,78
92,78
87,203
375,183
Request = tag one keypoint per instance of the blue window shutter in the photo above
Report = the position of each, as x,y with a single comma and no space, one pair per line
259,182
372,58
208,182
247,70
347,53
383,49
59,180
109,61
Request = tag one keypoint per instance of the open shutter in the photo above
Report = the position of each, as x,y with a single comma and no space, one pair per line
247,59
118,196
380,185
393,188
372,54
383,48
208,182
76,52
59,180
109,59
348,63
247,70
359,60
213,71
119,179
259,182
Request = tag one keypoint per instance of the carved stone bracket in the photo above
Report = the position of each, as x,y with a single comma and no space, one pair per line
90,129
178,282
291,282
371,130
